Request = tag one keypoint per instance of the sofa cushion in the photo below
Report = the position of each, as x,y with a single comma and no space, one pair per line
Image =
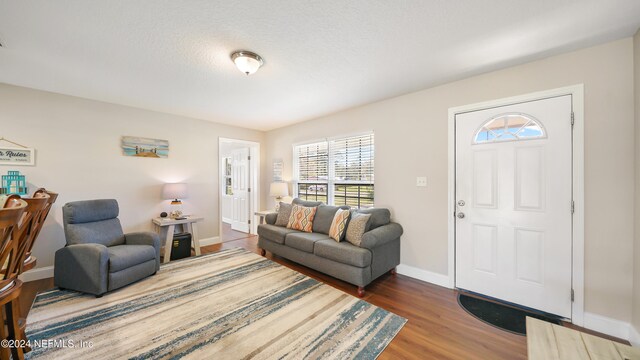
125,256
379,217
298,201
342,252
302,218
284,212
105,232
324,218
357,227
303,241
274,233
339,224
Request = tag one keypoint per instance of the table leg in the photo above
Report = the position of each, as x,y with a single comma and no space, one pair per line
168,243
195,237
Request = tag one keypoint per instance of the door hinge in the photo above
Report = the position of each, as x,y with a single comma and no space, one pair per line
248,189
573,296
249,221
249,157
573,119
573,207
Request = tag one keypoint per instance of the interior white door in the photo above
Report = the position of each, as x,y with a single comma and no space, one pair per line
240,185
514,203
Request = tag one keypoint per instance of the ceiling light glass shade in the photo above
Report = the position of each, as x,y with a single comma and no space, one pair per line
247,61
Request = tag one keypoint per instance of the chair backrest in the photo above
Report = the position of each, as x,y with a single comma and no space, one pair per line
10,217
25,233
43,215
92,221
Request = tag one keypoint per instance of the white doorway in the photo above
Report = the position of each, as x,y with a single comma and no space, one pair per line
516,186
239,190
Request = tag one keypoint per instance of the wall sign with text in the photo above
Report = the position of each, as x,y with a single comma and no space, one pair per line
17,156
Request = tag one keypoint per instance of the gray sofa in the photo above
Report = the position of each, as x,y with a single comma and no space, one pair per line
98,256
378,254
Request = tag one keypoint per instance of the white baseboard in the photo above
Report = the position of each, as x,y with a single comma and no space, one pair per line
210,241
609,326
37,274
634,336
424,275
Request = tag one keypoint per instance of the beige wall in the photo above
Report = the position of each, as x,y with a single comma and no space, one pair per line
78,155
411,140
636,272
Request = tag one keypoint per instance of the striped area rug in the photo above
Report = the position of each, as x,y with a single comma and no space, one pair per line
233,304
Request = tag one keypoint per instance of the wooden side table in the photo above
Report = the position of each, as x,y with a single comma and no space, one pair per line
165,227
263,214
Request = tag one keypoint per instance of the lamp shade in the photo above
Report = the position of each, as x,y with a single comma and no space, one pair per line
174,191
279,189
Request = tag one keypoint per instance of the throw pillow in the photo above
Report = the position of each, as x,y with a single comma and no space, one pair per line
284,212
357,228
339,224
302,218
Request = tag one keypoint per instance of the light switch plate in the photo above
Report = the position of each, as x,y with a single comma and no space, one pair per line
421,181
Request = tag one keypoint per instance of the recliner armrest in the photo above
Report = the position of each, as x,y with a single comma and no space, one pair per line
82,267
381,235
145,238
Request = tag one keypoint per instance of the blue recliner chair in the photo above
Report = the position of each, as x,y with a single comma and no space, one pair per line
98,256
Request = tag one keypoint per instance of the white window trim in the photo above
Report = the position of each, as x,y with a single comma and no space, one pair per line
330,170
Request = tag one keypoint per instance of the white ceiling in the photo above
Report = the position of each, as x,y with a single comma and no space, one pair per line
320,56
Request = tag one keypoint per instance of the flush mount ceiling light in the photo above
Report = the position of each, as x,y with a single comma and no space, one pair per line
247,61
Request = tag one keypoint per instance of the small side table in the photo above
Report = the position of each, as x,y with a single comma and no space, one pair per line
263,214
169,225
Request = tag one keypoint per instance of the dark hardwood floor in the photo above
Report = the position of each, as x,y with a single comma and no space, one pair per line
438,328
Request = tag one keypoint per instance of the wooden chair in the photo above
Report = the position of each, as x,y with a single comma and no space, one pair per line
36,213
10,286
24,235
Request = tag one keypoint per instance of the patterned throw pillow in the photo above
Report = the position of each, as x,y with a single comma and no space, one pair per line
339,224
357,227
284,212
302,218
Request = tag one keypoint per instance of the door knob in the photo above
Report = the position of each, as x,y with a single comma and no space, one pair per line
460,215
461,203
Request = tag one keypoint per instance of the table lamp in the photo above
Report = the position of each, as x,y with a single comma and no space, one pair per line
175,192
279,189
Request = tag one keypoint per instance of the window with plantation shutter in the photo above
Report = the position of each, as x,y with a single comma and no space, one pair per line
338,171
312,162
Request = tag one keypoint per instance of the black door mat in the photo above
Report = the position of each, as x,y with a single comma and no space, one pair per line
505,317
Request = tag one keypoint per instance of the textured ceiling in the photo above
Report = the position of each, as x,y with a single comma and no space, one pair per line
320,56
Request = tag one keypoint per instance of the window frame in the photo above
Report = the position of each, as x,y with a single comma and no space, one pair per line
330,182
530,118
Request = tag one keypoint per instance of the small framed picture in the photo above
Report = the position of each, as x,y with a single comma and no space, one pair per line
17,156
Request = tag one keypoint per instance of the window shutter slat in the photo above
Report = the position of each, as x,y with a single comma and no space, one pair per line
350,162
353,158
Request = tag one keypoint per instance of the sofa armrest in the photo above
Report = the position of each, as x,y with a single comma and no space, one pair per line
271,218
145,238
82,267
381,235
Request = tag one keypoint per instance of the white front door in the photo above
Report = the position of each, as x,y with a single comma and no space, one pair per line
240,185
514,203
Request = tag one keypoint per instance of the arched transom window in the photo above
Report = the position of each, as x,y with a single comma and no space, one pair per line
509,127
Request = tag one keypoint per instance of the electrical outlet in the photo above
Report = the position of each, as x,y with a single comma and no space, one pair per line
421,181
